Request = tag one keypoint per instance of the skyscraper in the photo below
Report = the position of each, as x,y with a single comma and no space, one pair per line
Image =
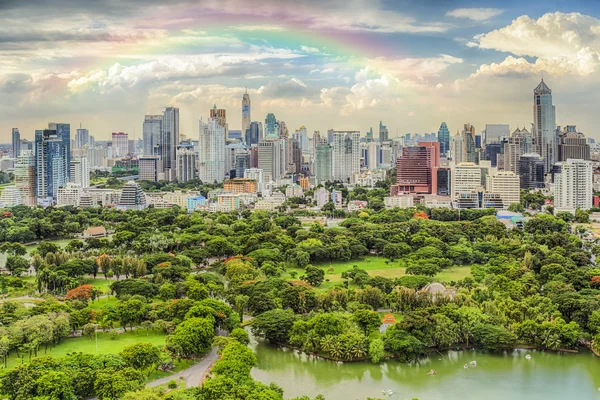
572,144
544,120
150,168
507,185
151,132
25,178
80,172
220,114
346,155
120,144
246,109
253,133
186,163
52,160
520,142
495,132
323,165
269,159
531,171
465,177
16,143
469,143
384,135
82,138
444,138
271,127
416,169
211,151
573,185
169,141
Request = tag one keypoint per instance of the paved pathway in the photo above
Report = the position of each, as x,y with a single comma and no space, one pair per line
192,375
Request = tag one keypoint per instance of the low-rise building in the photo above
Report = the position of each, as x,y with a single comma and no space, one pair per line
94,232
402,201
294,190
240,185
356,205
321,196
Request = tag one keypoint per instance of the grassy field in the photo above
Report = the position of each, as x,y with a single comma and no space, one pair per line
106,345
98,304
58,242
377,266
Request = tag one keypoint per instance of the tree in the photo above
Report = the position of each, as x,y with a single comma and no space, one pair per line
16,265
494,337
376,350
112,384
142,356
131,312
192,337
313,275
367,320
241,301
55,385
82,293
274,325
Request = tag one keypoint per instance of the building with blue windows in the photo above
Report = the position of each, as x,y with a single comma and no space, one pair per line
52,160
444,138
271,127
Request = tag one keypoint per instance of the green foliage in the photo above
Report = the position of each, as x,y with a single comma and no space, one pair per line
274,325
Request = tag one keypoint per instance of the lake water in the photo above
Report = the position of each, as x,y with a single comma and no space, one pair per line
546,376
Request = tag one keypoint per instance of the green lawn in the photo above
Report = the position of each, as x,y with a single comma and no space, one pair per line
377,266
87,345
58,242
98,304
100,283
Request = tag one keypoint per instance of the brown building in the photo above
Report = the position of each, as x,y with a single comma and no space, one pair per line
240,185
416,169
572,144
220,114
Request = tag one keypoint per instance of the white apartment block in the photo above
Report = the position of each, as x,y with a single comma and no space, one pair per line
321,196
573,185
69,195
10,197
293,190
507,185
346,155
466,177
398,201
256,174
211,151
80,172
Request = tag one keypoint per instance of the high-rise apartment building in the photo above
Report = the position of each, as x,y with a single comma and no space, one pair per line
531,171
257,175
519,143
25,177
242,163
150,168
254,133
466,177
82,138
573,185
151,131
269,159
80,172
572,144
544,119
444,138
416,169
293,156
470,152
372,156
52,155
169,141
384,134
346,155
120,144
211,151
16,142
246,112
323,161
507,185
69,195
186,163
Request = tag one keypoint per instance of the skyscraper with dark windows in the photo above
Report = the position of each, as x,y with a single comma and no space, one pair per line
253,134
152,130
271,127
16,143
169,142
52,160
384,134
444,138
246,109
544,119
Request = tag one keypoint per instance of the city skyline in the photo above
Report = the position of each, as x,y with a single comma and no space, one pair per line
321,65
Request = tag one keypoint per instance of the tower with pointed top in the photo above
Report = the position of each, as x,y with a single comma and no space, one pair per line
246,107
544,121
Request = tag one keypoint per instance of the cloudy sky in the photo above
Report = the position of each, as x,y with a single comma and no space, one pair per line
320,63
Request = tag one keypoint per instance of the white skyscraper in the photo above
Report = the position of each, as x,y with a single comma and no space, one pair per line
80,172
270,159
25,178
372,156
211,151
246,109
120,144
346,155
573,185
544,119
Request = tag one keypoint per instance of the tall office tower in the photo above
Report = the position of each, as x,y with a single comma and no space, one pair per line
220,114
256,174
131,150
544,119
25,179
531,171
323,161
16,142
52,160
150,168
151,131
283,130
573,185
466,177
120,144
301,135
416,170
369,135
384,135
346,155
444,138
242,163
293,156
469,143
572,144
253,133
269,159
493,151
272,130
494,133
132,197
186,163
443,181
246,109
169,141
80,172
372,156
458,148
507,185
82,138
519,143
211,151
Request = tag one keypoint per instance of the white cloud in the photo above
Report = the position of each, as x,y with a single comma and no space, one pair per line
263,28
475,14
310,49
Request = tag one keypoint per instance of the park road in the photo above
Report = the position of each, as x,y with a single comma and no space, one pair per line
192,375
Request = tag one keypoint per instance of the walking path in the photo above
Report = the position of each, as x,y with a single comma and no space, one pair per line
192,375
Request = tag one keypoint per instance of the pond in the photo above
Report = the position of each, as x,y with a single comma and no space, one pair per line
544,376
